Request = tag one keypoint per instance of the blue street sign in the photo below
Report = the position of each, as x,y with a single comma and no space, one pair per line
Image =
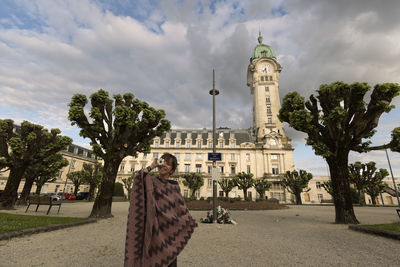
214,156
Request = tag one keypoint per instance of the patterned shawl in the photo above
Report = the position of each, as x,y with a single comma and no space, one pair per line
159,224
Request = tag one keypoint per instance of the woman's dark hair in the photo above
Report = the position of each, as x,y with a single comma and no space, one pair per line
171,159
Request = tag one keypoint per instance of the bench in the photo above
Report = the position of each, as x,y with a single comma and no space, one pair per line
43,200
398,212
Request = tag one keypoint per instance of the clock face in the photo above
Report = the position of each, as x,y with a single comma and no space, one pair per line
265,68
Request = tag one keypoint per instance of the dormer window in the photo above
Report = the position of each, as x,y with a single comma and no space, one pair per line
167,144
156,144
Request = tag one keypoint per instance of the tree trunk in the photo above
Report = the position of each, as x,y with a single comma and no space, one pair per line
102,204
338,167
23,200
226,193
373,199
245,193
298,198
38,188
91,192
10,193
192,194
76,189
361,198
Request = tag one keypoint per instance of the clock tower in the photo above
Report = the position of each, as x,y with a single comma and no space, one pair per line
263,80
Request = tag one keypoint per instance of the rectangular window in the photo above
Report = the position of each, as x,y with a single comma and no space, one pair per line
221,144
198,168
247,156
197,194
232,145
121,168
132,167
209,168
262,78
248,169
187,168
268,99
268,109
199,156
178,144
232,156
318,185
156,144
275,169
221,169
320,197
185,193
270,78
266,89
233,169
187,144
198,144
221,193
210,144
155,155
166,144
269,119
177,155
187,155
60,174
274,156
209,182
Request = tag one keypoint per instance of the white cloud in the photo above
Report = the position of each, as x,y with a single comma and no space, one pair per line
82,46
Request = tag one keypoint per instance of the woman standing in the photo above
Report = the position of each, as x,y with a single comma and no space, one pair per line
159,224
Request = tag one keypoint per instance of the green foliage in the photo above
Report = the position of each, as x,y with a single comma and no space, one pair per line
93,176
46,170
119,127
244,181
118,190
226,185
376,186
262,185
128,184
27,149
395,143
295,182
77,178
193,181
361,175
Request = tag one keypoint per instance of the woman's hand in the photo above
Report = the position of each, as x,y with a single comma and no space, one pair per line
154,164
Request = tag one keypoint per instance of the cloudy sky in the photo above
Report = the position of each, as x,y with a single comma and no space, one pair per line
164,52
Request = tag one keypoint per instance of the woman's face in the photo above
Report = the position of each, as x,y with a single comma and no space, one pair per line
165,169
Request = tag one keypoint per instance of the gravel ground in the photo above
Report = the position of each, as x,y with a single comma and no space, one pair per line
299,236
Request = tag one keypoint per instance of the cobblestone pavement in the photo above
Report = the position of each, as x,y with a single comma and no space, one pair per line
298,236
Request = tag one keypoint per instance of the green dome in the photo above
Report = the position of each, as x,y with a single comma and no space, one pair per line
262,50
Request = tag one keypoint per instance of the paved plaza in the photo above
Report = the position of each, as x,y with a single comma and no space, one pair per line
298,236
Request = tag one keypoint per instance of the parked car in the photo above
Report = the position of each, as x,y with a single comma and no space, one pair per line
70,196
55,196
82,196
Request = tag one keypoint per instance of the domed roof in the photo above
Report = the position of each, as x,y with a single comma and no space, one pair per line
262,50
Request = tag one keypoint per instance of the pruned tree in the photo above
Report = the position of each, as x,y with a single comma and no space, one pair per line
77,178
296,182
118,128
262,185
20,147
194,181
128,184
41,172
226,185
360,175
244,181
337,121
328,187
93,177
375,185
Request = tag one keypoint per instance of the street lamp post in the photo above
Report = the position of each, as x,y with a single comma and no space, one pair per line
214,92
394,183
